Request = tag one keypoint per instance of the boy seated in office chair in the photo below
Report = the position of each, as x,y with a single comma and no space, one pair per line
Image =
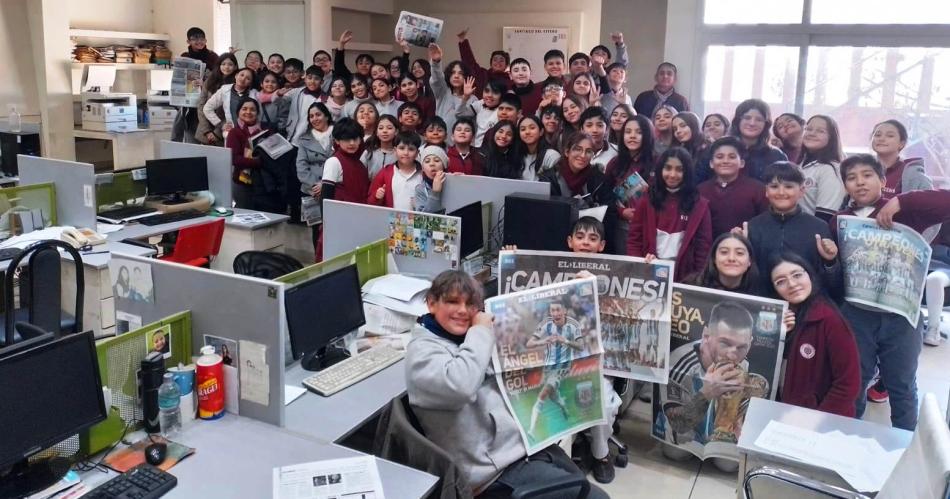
454,394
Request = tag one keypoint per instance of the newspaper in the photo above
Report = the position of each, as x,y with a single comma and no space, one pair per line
634,299
417,29
273,144
311,211
356,477
547,359
187,78
725,349
883,268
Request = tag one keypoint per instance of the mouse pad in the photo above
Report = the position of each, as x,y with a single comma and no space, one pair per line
124,459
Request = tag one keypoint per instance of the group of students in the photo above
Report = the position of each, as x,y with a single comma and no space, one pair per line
746,205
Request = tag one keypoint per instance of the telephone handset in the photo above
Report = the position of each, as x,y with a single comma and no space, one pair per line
79,238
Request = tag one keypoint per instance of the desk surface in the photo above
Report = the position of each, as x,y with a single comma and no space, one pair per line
273,219
761,411
235,458
324,417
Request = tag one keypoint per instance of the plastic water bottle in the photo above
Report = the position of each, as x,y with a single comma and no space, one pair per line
15,123
169,397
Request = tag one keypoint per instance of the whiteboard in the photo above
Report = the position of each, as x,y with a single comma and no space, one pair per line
532,43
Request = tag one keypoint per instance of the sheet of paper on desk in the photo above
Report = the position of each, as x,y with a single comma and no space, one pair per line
106,229
398,286
349,477
292,393
861,462
255,377
249,218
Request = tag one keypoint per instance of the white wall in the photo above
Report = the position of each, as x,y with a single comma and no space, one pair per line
643,23
174,17
18,78
113,15
681,48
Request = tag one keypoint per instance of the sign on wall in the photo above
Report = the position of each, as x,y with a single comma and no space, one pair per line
532,43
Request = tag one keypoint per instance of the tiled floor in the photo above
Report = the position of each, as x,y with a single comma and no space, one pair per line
650,475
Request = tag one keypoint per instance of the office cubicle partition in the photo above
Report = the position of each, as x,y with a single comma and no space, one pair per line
219,166
371,261
246,310
75,187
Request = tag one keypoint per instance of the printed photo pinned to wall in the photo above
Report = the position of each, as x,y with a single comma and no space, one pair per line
160,340
131,280
125,322
225,347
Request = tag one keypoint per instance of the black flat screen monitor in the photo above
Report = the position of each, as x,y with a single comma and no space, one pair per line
321,310
472,237
175,176
48,394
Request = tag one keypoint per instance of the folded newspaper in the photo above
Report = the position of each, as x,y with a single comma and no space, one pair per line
273,144
187,78
417,29
356,477
548,358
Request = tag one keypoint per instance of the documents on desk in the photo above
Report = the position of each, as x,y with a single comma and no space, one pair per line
392,303
861,461
333,478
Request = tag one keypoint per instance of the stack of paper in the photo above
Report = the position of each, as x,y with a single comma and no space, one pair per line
398,293
861,461
348,477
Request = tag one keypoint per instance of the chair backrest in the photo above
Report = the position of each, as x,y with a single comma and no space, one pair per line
198,242
766,482
44,284
265,264
924,468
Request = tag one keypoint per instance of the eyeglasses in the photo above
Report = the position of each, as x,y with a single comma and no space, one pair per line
785,282
321,59
581,150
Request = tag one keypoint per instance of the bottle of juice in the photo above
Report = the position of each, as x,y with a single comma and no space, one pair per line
209,378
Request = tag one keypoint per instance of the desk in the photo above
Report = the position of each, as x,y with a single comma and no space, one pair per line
235,458
123,150
761,411
342,413
268,235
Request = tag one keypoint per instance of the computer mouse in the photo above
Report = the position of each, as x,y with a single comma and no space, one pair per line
155,453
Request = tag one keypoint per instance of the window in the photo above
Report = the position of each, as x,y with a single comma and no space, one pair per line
753,11
858,61
879,12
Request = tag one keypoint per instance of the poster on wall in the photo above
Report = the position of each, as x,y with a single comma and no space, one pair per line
725,348
422,235
532,42
883,268
634,299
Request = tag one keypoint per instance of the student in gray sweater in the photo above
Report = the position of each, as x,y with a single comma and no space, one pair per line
429,191
454,394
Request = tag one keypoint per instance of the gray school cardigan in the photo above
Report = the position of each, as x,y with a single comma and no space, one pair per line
446,103
454,394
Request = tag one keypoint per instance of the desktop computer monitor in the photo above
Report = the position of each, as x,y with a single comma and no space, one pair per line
49,393
320,311
176,176
472,238
538,221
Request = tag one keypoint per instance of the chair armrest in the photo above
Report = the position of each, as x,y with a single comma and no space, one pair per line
794,479
563,483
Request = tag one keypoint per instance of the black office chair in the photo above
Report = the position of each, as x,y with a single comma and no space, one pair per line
42,306
400,438
265,264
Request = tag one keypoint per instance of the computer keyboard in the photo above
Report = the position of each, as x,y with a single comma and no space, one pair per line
125,213
352,370
164,218
141,482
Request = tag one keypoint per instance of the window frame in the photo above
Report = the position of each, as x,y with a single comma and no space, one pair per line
805,35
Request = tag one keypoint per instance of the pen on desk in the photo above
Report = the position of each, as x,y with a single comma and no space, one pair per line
95,252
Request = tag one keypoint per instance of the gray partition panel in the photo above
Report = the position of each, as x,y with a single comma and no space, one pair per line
229,305
463,190
75,187
219,166
348,225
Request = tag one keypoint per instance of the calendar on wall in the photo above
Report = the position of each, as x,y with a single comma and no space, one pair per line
532,42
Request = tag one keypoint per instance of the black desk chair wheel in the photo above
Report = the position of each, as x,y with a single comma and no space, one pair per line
265,264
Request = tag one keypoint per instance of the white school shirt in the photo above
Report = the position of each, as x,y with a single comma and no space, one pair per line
404,188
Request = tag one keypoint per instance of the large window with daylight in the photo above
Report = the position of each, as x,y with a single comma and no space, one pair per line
858,61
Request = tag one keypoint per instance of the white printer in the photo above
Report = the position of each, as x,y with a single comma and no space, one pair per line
102,109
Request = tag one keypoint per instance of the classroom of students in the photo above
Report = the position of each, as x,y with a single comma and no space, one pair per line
366,249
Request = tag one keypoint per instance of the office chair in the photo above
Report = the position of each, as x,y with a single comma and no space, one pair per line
400,438
778,483
265,264
41,307
197,245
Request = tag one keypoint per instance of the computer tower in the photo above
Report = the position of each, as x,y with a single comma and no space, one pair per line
12,144
538,221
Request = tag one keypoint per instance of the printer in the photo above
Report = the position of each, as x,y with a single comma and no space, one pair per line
102,109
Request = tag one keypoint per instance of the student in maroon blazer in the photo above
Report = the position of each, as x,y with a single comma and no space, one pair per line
529,92
822,369
673,221
733,198
463,158
497,67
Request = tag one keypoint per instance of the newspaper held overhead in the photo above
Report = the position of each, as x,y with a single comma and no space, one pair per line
883,268
634,298
417,29
356,477
725,349
547,359
187,77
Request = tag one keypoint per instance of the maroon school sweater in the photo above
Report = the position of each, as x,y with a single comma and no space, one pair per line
733,203
822,371
473,164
